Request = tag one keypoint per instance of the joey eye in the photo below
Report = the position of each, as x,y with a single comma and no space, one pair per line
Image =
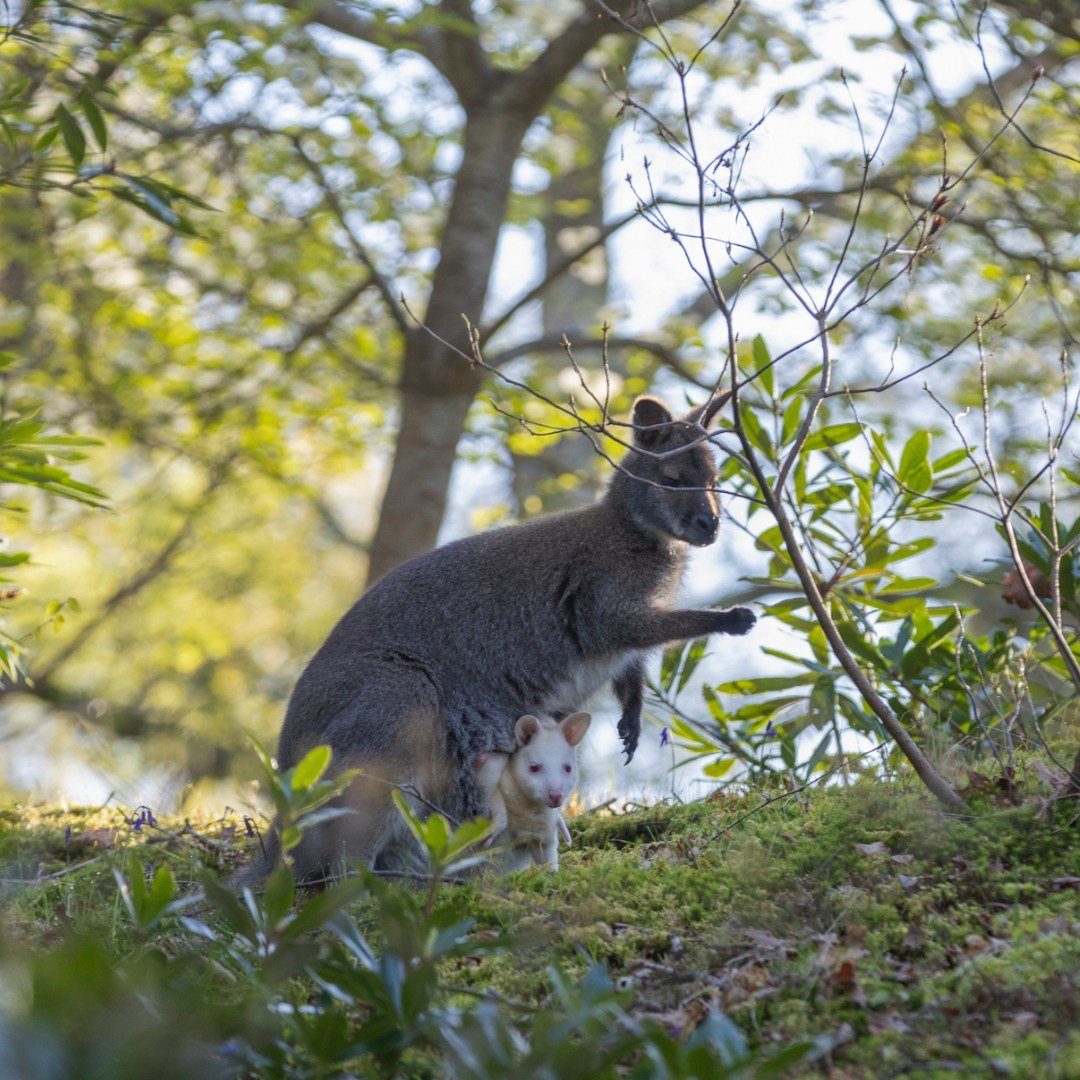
566,768
534,766
669,481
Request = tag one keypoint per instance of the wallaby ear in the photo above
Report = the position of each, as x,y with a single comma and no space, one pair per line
574,727
649,413
526,729
705,414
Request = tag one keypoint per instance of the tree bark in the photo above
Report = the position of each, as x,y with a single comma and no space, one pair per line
438,386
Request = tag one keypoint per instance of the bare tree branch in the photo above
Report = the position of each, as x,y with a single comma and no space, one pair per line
561,342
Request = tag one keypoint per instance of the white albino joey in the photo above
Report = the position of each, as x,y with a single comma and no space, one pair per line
526,788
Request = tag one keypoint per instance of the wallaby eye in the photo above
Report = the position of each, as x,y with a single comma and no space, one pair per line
669,481
566,768
534,766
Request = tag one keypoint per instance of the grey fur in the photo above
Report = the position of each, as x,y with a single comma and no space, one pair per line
435,663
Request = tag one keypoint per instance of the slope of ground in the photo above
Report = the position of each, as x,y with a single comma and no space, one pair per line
921,943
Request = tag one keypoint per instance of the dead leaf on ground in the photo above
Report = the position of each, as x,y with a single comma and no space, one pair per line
889,1020
914,940
876,848
99,838
1025,1022
768,944
977,784
686,1018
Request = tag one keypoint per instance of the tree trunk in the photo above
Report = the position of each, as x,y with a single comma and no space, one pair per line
437,385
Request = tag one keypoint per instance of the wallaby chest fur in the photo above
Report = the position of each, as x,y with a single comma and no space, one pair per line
434,663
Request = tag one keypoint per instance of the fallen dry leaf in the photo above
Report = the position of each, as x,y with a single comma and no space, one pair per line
99,838
914,940
889,1020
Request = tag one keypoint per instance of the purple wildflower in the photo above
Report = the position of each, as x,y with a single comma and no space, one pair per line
770,731
665,737
143,816
249,826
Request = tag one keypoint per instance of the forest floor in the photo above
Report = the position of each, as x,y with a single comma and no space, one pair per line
922,943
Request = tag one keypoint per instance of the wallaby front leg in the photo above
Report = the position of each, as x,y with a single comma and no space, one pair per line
546,852
499,818
630,690
649,627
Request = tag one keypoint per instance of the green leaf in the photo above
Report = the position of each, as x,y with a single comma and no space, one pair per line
832,435
823,703
280,894
792,416
914,468
947,461
311,768
161,891
716,769
765,684
94,118
763,362
46,139
72,134
692,657
467,834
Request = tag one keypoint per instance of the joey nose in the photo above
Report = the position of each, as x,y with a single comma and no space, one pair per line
555,799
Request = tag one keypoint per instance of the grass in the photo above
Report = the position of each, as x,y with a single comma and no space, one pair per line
926,944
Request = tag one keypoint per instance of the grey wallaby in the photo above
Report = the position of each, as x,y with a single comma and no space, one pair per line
434,664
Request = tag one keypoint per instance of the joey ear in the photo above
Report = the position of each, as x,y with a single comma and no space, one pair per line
574,727
649,412
526,729
705,414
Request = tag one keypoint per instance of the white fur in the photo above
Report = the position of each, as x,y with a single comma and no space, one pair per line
586,679
526,788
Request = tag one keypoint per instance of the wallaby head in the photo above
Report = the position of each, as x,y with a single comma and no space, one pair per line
670,454
545,762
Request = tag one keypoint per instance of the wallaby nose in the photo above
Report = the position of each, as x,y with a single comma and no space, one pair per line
706,524
555,798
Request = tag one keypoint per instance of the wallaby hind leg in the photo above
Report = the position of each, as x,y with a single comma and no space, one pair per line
359,835
392,732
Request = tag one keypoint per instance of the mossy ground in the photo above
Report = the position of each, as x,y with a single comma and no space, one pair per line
926,944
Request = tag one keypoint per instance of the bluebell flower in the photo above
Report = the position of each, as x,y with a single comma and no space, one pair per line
143,816
770,730
231,1048
249,826
665,737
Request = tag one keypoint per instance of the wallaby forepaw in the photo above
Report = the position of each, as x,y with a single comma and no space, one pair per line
738,620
